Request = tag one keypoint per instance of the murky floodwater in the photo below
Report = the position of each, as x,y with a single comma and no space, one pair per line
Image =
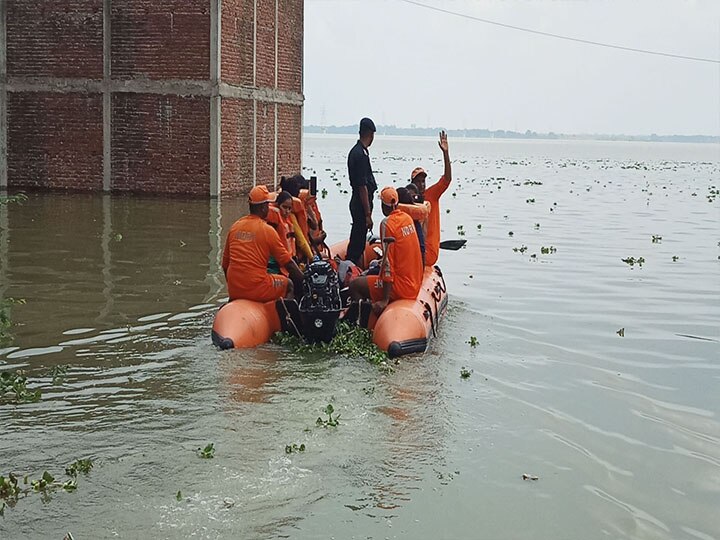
623,432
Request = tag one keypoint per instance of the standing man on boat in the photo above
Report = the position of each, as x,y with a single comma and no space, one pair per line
432,195
249,245
363,186
401,273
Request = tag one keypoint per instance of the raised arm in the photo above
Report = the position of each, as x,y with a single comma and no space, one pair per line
443,144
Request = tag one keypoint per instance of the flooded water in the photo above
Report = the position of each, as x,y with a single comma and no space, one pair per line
622,432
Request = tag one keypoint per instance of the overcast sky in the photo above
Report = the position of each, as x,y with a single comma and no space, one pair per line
403,64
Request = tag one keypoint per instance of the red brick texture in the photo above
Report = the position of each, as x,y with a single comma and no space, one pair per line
236,59
290,45
289,140
237,146
265,144
55,140
55,38
160,40
160,143
160,124
265,59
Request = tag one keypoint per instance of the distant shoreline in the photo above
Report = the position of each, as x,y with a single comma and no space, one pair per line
503,134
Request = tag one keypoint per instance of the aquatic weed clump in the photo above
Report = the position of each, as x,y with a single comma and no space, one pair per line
349,341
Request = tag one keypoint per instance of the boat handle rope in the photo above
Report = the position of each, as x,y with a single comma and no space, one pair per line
437,292
442,280
289,319
432,319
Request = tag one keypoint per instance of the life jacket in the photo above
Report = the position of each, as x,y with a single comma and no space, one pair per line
284,228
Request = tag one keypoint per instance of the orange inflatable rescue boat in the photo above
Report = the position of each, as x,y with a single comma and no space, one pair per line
404,327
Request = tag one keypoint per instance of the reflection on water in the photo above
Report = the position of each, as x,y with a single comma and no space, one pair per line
623,432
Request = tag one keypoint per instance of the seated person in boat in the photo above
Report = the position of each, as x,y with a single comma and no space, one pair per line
406,198
401,272
300,188
249,245
432,195
281,218
301,219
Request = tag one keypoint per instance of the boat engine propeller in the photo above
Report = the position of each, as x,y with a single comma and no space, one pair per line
320,304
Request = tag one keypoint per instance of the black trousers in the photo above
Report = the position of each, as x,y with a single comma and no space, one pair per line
358,232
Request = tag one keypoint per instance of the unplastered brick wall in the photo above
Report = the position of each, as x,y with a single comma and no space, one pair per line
56,140
117,95
160,143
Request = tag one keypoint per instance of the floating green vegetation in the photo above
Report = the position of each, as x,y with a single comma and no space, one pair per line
447,211
632,261
473,341
521,249
118,237
324,193
510,233
529,201
208,452
465,373
15,383
6,319
675,258
57,373
479,226
12,489
79,466
656,239
291,448
532,183
547,250
330,422
350,341
178,495
537,225
18,198
621,332
460,230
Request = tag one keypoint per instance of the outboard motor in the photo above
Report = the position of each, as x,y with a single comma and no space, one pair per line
320,304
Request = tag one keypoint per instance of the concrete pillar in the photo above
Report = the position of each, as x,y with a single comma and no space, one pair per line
215,283
215,99
3,96
107,97
254,86
275,105
107,271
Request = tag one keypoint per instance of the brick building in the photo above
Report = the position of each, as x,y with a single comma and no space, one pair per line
200,97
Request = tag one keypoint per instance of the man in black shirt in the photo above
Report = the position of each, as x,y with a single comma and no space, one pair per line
363,186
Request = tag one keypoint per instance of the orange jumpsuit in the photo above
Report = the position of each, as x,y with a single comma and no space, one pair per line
249,245
403,267
432,239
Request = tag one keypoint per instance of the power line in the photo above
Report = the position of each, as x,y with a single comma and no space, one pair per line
567,38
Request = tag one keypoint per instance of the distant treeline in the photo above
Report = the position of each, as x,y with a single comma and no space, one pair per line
502,134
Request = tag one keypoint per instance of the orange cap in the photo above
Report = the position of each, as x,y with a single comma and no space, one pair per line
417,171
260,194
389,196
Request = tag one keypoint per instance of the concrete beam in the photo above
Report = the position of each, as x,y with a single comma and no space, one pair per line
177,87
266,95
3,96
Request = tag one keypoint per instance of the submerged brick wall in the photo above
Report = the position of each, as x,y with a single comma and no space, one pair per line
200,97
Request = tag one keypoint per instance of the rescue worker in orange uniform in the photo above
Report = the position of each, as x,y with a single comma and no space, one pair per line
249,245
432,195
402,273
